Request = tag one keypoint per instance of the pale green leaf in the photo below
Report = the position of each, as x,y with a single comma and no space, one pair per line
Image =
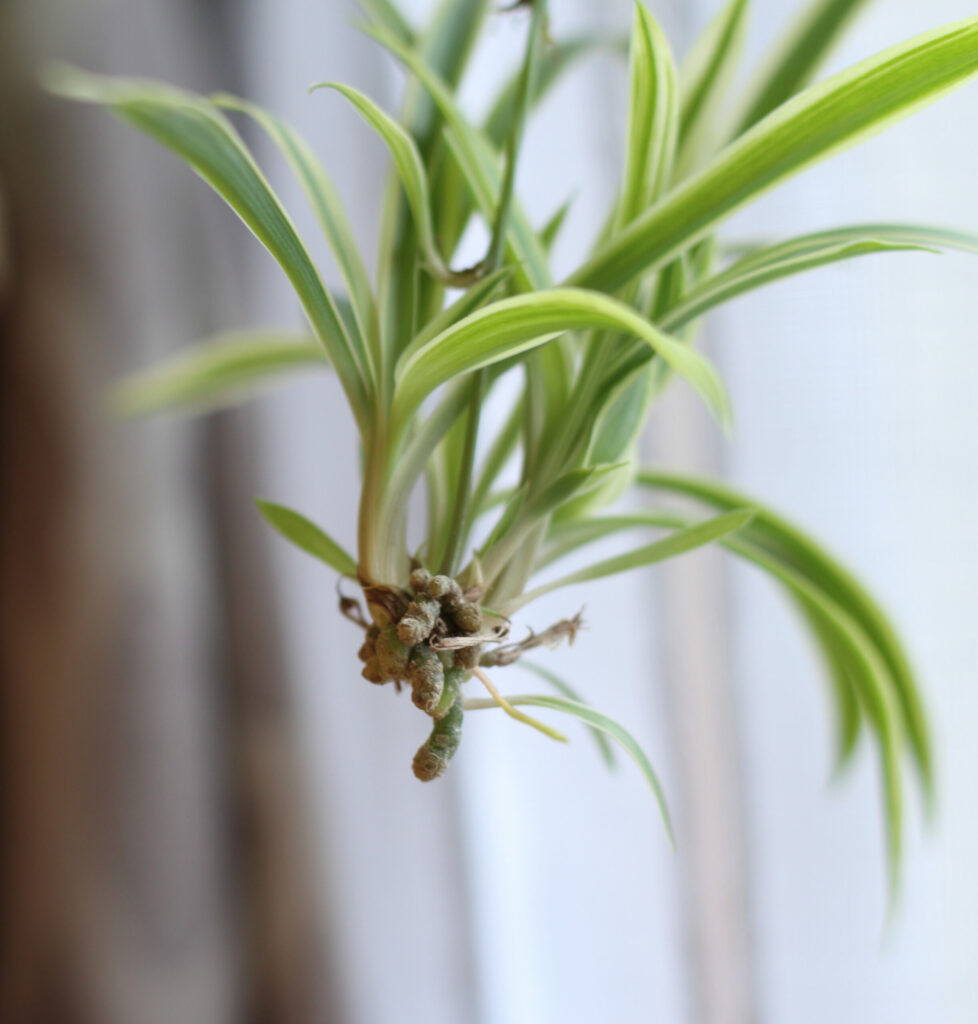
607,725
869,675
567,486
551,229
445,47
414,178
502,447
515,325
218,372
815,124
471,300
308,536
480,168
567,536
677,543
195,130
556,60
533,508
794,62
765,267
859,675
652,118
706,75
328,207
800,552
387,14
600,737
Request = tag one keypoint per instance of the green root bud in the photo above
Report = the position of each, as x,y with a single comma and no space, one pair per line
373,673
392,654
420,581
467,658
446,590
418,621
369,648
426,674
468,617
432,759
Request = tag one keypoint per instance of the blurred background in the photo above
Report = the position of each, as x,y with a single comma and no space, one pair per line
207,816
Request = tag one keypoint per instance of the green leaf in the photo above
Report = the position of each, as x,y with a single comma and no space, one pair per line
308,536
677,543
480,167
550,231
803,555
765,266
471,300
196,131
600,737
848,712
445,47
556,60
414,178
216,373
502,447
706,75
565,537
508,535
860,677
406,297
869,677
815,124
567,486
607,725
329,210
652,118
793,64
512,326
388,15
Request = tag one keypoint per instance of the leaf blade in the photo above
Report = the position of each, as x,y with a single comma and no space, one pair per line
617,732
653,118
750,274
518,324
215,373
803,554
307,536
329,210
679,542
810,127
705,76
196,131
605,748
793,63
410,169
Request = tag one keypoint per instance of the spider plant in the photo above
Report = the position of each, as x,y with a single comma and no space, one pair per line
418,346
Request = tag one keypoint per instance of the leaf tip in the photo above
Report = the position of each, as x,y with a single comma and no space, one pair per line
62,79
326,84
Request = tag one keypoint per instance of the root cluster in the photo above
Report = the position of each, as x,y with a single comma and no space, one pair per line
428,639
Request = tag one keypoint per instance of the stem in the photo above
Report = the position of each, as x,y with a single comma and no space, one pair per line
500,451
511,580
500,226
456,535
380,542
